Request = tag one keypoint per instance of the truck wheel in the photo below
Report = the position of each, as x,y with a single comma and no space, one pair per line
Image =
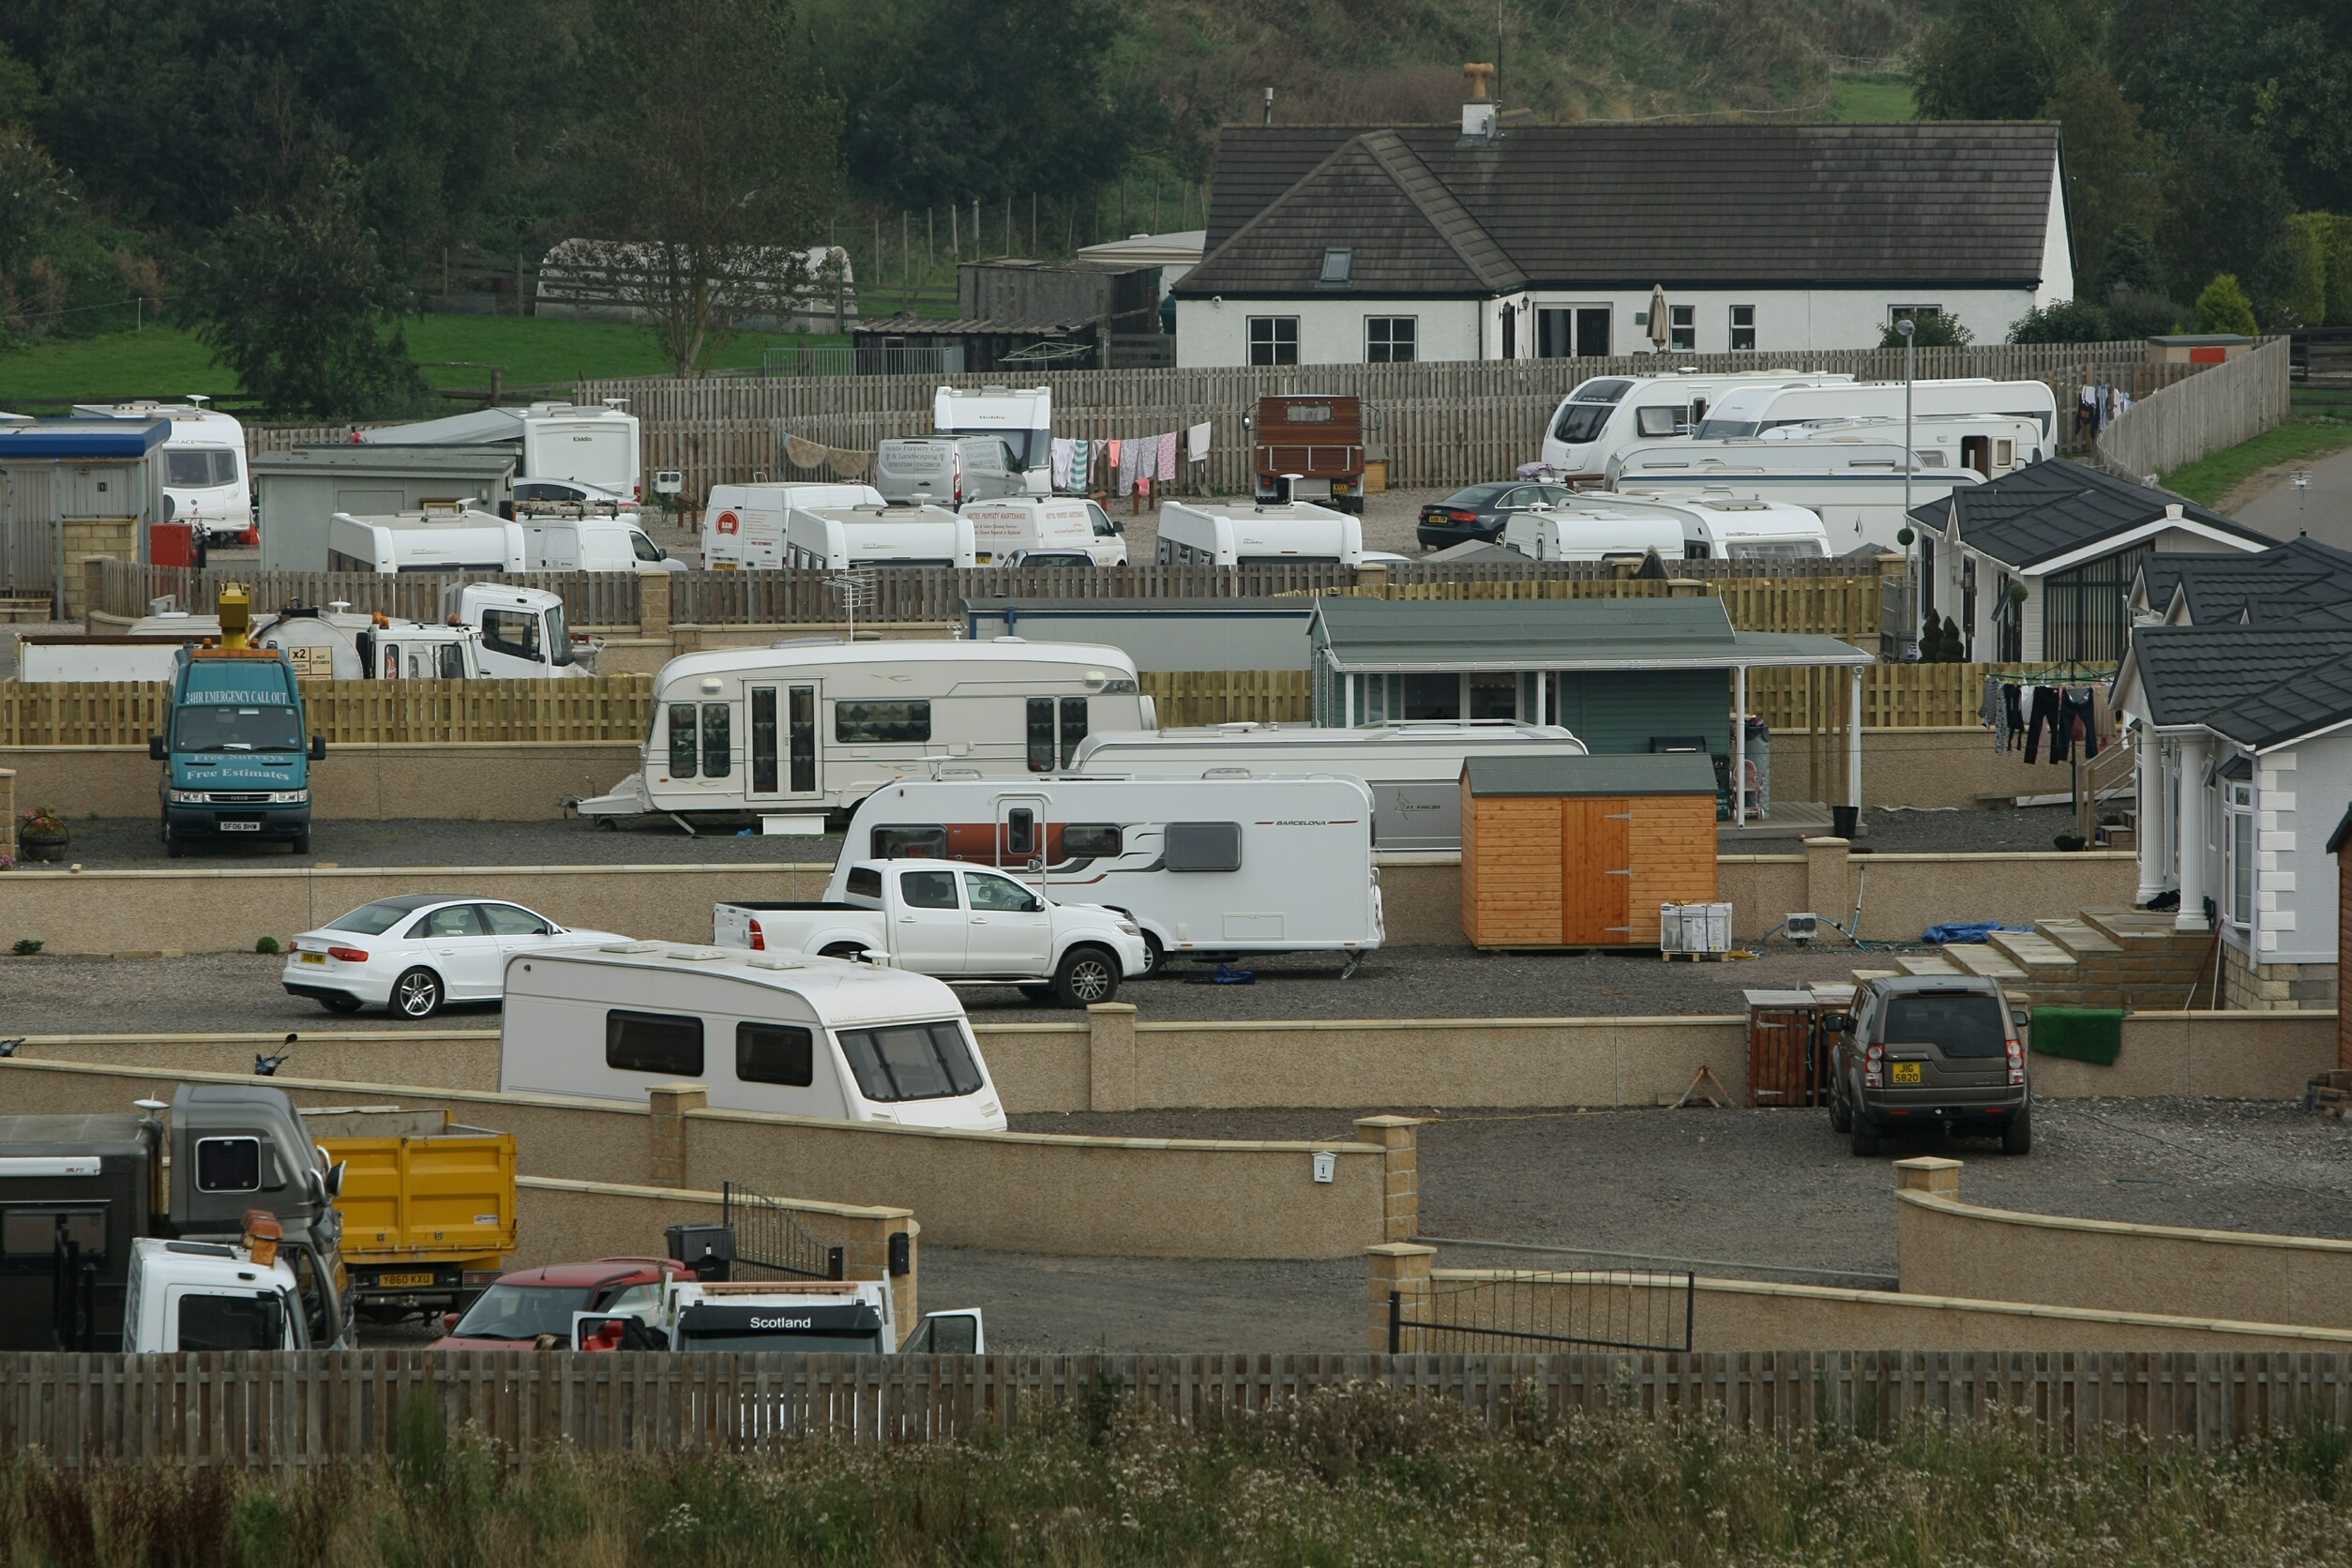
1084,976
416,994
2017,1136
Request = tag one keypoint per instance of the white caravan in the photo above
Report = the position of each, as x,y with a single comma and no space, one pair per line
597,447
204,476
1414,770
743,526
1207,868
1753,409
1238,534
464,540
1021,416
1600,416
819,724
766,1031
843,538
1045,531
1710,526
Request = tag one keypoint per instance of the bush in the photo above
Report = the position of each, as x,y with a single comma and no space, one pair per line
2143,313
26,946
2064,320
1939,331
267,944
2223,307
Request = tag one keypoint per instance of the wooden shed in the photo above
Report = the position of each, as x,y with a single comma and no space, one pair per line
1579,851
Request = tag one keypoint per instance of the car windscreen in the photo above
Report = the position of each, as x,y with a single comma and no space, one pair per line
372,920
1957,1024
1477,496
229,727
1582,422
523,1312
910,1062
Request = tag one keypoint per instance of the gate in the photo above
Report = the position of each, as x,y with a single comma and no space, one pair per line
767,1237
1617,1311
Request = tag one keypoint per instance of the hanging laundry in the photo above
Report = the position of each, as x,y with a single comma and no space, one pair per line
1064,450
1992,712
2012,715
1197,441
2044,711
2078,720
803,453
1114,452
1167,469
1081,466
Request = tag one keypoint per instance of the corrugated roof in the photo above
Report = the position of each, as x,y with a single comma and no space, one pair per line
2198,674
1949,202
1557,634
1664,773
2048,509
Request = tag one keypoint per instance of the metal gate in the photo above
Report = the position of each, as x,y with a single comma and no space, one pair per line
767,1237
1618,1311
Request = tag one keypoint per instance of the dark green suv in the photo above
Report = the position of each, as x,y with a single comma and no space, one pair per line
1930,1052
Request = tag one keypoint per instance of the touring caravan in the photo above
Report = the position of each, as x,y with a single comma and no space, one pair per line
764,1032
595,445
1606,412
462,538
1413,770
1753,409
743,526
1021,416
1209,867
1712,525
1228,534
843,538
204,475
1045,531
819,724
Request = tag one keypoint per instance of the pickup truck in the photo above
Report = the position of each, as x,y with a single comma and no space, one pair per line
953,922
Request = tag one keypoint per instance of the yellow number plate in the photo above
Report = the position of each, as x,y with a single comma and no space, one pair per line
401,1281
1907,1072
314,957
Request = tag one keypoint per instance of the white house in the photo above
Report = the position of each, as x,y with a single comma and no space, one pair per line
1345,244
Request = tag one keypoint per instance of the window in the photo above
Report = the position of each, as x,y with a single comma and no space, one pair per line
1020,832
511,631
1339,266
718,725
33,1232
1912,312
1073,728
1580,422
1970,1025
1089,841
228,1164
1390,340
199,468
2087,612
643,548
1104,528
908,843
2237,806
1047,748
1041,751
1659,420
881,723
1274,340
1000,894
1682,327
667,1043
1202,847
374,920
510,920
1593,332
763,751
802,714
1432,697
1743,328
927,890
454,920
1553,333
683,727
1494,697
254,1322
865,882
775,1053
910,1062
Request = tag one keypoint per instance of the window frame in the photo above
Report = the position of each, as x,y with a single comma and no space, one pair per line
617,1018
853,712
1381,341
1681,328
196,1176
1742,318
804,1063
1278,341
2242,855
1197,855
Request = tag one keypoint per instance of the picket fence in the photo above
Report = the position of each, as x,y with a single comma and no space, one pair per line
296,1410
126,713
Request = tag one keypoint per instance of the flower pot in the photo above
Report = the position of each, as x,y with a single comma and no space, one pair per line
43,846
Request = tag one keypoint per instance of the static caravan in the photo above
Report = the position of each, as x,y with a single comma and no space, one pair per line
1214,533
818,725
205,475
842,539
1602,526
1207,868
819,1037
1602,416
1411,769
1753,409
1045,531
743,526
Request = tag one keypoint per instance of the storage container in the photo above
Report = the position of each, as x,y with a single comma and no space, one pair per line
1582,852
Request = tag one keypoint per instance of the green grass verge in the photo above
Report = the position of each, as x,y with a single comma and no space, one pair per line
2317,430
1874,96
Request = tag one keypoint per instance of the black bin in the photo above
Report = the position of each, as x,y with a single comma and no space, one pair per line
709,1250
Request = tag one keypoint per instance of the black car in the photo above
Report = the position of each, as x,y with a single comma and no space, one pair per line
1477,512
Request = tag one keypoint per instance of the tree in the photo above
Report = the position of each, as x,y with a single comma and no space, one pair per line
2133,262
298,303
2062,321
2230,209
718,161
2223,307
2002,59
1930,330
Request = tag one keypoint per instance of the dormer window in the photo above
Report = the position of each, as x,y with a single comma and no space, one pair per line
1339,266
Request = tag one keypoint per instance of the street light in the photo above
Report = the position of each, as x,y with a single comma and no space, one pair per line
1909,329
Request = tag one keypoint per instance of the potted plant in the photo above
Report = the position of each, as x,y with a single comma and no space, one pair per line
41,834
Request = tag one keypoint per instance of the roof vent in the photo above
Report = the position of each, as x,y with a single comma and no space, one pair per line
2172,511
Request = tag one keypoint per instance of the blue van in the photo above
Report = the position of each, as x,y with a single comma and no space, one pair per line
236,764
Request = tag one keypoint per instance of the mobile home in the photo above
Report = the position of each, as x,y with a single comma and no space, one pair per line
797,1037
204,475
818,725
743,526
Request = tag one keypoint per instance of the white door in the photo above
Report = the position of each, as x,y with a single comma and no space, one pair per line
780,742
516,930
462,951
930,936
1011,931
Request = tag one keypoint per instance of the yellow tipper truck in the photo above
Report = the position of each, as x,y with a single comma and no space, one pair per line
428,1206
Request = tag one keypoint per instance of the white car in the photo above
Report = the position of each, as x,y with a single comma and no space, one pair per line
418,952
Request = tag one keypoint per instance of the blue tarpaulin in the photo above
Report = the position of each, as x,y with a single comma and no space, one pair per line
1978,930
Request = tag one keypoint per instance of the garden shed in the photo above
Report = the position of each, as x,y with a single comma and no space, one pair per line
1579,851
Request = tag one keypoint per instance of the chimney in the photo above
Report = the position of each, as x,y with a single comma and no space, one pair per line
1478,114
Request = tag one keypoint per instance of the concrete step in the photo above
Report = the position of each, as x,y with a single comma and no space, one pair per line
2034,953
2079,938
1983,960
2134,928
1930,964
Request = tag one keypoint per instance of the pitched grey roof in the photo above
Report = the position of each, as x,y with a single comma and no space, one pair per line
2279,584
2048,509
2232,674
1554,634
1665,772
1952,203
2319,696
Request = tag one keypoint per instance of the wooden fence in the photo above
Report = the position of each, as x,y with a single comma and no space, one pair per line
127,588
260,1411
1894,696
1190,697
126,713
1847,606
2229,403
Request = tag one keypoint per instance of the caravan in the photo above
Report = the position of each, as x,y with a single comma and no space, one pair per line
818,725
743,526
1712,525
843,538
1291,533
1606,412
459,539
597,447
204,476
1753,409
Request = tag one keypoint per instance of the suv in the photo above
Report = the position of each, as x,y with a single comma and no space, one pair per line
1921,1049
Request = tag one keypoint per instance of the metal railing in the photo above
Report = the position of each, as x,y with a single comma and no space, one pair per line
768,1238
1531,1311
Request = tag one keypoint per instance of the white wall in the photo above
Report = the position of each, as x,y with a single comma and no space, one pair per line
1209,331
2297,794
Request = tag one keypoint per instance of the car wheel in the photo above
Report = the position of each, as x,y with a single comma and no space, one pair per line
302,842
2017,1136
1084,976
1865,1139
1840,1114
416,994
340,1003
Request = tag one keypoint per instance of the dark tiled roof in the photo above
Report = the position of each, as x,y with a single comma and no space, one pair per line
2279,584
2048,509
2197,674
1686,207
2318,697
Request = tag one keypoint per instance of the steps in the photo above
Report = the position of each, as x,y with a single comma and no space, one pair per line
2129,958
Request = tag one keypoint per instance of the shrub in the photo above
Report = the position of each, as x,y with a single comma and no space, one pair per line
26,946
2064,320
2223,307
1936,331
267,944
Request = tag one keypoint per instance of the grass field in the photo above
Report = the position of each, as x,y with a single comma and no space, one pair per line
2321,424
1873,95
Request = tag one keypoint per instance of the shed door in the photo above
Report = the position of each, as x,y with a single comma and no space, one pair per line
1595,872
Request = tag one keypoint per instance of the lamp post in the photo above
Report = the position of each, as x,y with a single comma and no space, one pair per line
1909,329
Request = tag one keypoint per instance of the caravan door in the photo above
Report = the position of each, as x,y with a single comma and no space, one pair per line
782,742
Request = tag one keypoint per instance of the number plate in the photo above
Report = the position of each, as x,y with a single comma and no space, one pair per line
314,957
1907,1072
401,1281
240,827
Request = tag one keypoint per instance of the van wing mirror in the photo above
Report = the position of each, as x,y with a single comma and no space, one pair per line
949,1333
318,748
154,748
335,1174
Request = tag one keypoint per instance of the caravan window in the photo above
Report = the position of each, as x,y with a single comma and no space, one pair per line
1657,420
910,1062
881,723
1204,847
1087,839
907,843
1041,751
1073,728
666,1043
719,739
683,728
775,1053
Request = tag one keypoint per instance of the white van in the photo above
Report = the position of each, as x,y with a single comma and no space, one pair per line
1753,409
1045,531
571,537
204,475
1714,525
1600,416
945,471
842,539
595,445
819,724
1238,534
796,1036
1413,770
743,526
1211,867
1019,417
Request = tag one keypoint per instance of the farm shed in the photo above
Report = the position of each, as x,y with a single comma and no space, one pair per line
1579,851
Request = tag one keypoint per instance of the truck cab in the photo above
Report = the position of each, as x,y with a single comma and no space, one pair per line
235,767
524,633
211,1296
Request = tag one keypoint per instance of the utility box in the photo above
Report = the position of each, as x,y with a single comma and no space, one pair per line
1694,929
1583,852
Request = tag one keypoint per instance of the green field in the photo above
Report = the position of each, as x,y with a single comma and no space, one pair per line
1873,95
2321,424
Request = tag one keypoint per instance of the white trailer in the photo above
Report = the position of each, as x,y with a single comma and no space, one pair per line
1021,416
1414,770
817,724
205,474
597,447
1753,409
1207,868
743,526
768,1032
1606,412
1711,525
1241,533
844,538
546,538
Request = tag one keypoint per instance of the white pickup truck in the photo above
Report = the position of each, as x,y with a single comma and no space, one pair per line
957,923
839,1317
